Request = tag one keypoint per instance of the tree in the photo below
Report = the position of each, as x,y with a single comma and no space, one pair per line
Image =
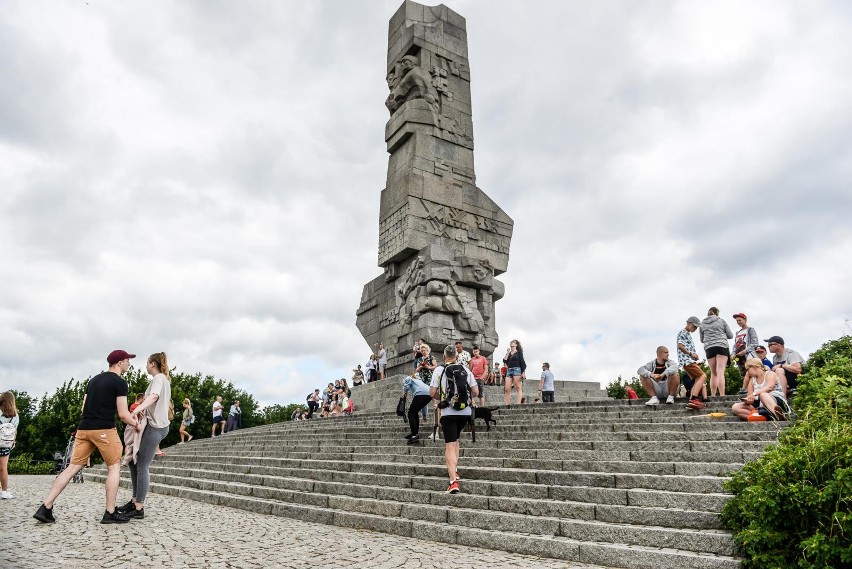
47,423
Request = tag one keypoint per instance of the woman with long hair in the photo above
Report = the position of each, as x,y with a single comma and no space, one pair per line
187,419
715,334
425,364
516,369
155,410
8,414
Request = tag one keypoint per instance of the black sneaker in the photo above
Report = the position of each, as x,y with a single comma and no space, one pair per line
128,507
135,514
409,435
413,440
44,515
114,518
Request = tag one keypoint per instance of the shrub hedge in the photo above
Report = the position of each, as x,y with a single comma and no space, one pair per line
793,506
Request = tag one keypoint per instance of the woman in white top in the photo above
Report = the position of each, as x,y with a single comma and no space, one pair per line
8,414
382,355
764,389
155,410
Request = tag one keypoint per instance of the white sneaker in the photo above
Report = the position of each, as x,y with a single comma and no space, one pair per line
653,401
670,400
432,437
5,495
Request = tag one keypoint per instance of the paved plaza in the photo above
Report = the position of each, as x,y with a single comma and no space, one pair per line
183,533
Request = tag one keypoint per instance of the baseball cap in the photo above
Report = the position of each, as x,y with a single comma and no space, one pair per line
775,340
693,320
740,315
116,356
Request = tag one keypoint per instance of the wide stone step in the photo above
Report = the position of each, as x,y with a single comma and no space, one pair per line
294,489
561,432
394,440
573,540
475,473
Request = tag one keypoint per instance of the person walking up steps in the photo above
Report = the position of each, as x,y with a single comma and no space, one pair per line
217,417
186,421
454,388
106,395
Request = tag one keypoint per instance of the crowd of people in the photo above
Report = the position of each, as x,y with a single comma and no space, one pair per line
767,384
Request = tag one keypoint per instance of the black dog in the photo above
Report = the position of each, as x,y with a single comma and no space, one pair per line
485,413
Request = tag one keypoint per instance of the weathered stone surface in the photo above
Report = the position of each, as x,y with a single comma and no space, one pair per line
441,239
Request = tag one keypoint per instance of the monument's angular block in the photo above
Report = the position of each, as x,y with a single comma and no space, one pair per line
441,239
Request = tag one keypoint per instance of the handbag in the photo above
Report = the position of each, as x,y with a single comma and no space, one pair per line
400,407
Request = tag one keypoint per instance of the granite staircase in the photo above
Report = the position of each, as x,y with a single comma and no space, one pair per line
603,482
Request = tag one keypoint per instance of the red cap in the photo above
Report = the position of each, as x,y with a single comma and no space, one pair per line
117,355
740,315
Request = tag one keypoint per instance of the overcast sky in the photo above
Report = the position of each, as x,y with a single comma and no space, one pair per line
203,178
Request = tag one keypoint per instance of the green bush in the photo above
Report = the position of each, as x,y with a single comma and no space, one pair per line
618,389
24,464
793,506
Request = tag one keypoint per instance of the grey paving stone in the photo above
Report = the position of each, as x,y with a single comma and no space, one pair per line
183,530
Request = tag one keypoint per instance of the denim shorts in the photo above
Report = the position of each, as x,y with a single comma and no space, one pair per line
513,372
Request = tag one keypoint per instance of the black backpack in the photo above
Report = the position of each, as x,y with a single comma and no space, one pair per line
458,391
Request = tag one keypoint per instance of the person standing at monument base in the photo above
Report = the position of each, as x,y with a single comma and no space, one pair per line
545,386
688,358
516,369
106,395
715,334
478,366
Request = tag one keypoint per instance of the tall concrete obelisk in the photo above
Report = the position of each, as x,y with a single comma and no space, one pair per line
441,239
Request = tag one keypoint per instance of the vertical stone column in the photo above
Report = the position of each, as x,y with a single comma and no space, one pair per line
442,240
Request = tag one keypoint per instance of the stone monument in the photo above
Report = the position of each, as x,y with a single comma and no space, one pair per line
442,241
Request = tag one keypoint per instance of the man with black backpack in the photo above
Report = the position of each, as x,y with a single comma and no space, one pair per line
454,387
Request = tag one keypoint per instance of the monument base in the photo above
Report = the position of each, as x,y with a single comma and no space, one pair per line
383,396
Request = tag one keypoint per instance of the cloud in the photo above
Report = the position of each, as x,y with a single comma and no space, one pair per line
204,179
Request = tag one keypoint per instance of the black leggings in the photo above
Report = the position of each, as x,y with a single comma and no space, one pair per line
312,406
418,403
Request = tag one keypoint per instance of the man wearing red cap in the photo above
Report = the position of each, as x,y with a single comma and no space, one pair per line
745,343
106,395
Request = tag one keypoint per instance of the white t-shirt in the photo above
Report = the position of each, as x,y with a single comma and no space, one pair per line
788,357
547,378
217,409
158,413
438,376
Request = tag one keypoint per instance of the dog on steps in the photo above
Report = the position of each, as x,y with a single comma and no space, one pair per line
486,414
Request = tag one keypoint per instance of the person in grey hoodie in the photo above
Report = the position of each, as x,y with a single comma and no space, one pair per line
715,334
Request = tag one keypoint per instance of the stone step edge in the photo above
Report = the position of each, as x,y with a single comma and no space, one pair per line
635,481
250,482
389,479
513,463
557,547
616,466
424,458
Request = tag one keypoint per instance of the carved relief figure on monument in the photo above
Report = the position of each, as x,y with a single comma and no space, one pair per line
412,82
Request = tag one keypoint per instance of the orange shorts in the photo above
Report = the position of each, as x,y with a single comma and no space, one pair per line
694,371
105,440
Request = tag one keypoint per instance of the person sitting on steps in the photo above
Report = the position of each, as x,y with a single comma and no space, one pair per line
660,377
